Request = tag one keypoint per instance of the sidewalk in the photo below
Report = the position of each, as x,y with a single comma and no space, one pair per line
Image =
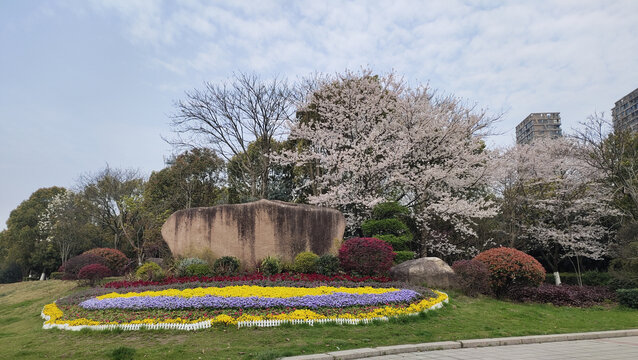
618,344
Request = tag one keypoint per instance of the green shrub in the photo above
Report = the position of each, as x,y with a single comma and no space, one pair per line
391,209
387,224
623,281
306,262
596,278
628,297
56,275
271,266
384,226
150,271
589,278
197,270
226,266
10,273
398,243
181,268
624,268
328,265
287,267
403,256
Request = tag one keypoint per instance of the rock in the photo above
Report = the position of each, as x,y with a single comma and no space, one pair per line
255,230
430,270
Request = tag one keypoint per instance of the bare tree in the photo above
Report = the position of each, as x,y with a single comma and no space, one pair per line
140,225
105,191
230,116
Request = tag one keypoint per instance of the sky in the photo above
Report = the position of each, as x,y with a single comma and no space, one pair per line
86,83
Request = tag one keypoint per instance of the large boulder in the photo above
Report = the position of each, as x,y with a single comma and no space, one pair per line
430,270
254,230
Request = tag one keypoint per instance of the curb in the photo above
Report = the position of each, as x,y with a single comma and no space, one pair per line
473,343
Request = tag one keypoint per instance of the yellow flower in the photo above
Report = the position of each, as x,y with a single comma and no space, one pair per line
223,319
252,290
54,313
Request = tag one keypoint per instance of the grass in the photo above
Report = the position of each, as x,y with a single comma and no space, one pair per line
22,336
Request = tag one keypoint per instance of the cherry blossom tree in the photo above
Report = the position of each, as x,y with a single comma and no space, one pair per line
614,152
63,223
372,139
564,209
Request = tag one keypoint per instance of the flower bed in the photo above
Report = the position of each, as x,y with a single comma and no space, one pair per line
238,303
249,278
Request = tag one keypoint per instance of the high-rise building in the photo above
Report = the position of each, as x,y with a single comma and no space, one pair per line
625,112
538,125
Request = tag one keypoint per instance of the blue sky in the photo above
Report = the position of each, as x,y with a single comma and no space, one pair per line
86,83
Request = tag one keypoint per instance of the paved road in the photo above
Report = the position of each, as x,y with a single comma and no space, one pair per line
608,349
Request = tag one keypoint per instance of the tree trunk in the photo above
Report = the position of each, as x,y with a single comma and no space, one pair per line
557,278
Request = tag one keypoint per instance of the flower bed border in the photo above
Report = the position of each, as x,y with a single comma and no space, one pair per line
50,313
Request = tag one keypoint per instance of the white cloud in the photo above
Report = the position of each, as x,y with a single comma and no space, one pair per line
568,56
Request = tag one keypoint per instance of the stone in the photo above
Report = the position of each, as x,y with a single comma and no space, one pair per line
255,230
355,353
430,270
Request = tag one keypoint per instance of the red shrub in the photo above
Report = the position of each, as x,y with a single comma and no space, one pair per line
366,256
248,277
472,276
94,272
73,266
510,267
563,295
116,261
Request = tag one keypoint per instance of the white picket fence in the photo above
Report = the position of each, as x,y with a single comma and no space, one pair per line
206,324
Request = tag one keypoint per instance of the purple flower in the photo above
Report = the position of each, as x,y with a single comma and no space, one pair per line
335,300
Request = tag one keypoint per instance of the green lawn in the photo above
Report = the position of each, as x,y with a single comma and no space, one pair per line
22,336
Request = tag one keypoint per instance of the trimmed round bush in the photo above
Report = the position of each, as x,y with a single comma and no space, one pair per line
388,210
93,273
226,266
403,256
197,270
306,262
511,268
73,266
116,261
384,226
183,265
473,277
398,243
150,271
328,265
366,256
271,266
